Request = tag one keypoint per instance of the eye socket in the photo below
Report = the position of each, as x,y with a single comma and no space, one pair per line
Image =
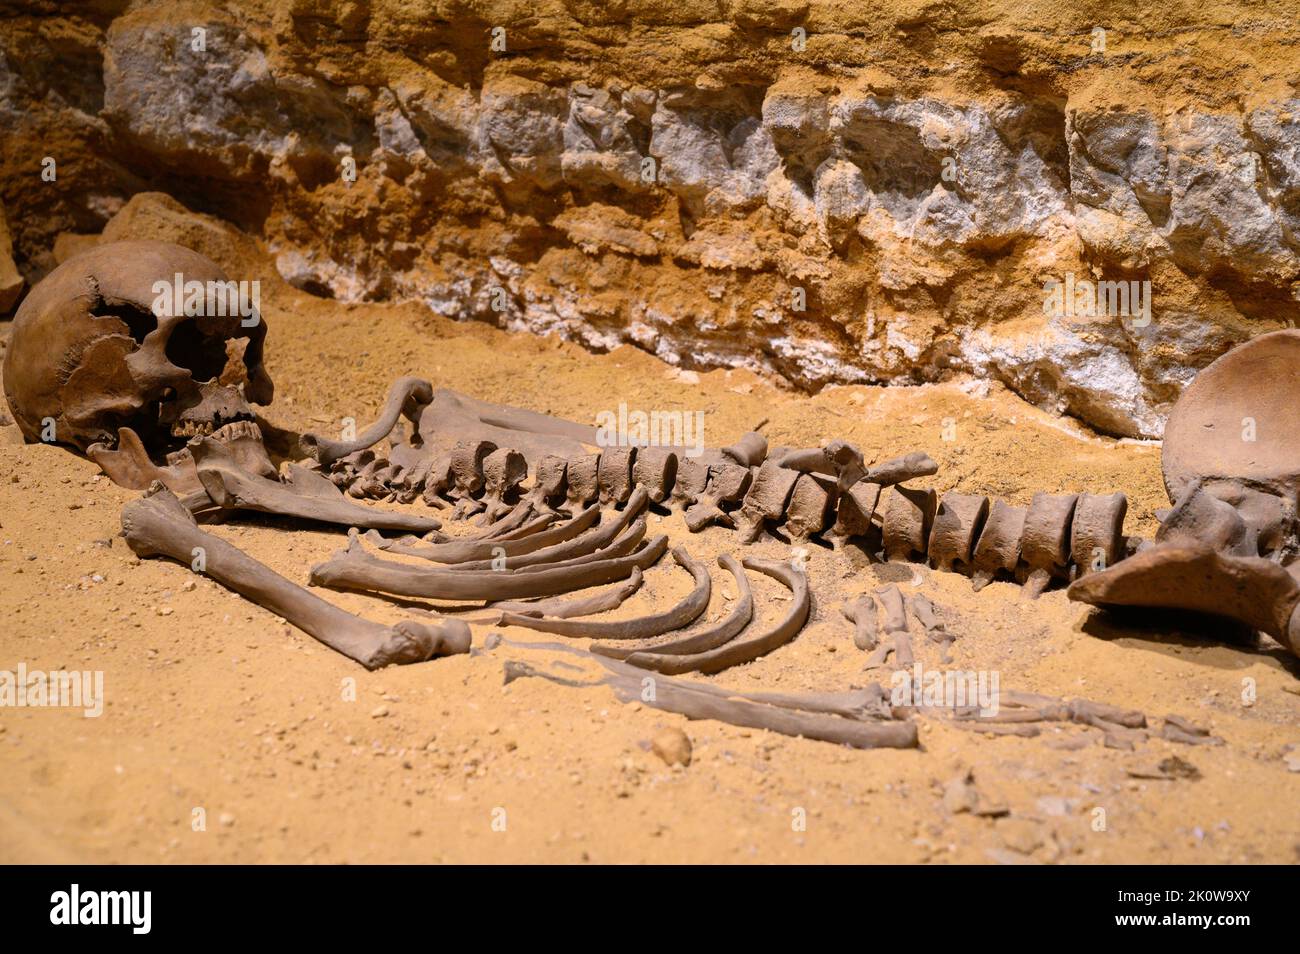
138,321
204,357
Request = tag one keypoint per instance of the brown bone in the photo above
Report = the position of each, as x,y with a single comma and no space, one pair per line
738,651
998,549
614,474
808,510
727,482
909,514
357,570
407,397
1045,542
642,627
655,469
582,474
1097,531
709,637
767,498
159,525
957,524
233,489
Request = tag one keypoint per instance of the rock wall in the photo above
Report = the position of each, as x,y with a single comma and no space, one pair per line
823,190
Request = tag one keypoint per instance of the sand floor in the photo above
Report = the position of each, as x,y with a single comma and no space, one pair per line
213,703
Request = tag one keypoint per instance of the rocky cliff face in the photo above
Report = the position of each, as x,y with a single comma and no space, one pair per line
826,191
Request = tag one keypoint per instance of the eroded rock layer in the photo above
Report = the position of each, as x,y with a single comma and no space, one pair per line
830,192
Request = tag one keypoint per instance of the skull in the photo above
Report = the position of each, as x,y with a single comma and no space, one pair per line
90,353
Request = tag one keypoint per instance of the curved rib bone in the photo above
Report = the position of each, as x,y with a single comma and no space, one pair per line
356,570
710,637
233,489
643,627
484,548
159,525
746,650
610,599
407,396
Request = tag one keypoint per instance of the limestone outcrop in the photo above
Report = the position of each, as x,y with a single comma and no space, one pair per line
1086,206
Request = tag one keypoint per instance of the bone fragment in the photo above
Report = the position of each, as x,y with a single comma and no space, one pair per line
547,491
749,451
1097,532
853,512
863,615
463,551
655,469
609,599
809,507
688,699
614,474
957,525
583,481
901,469
1045,541
998,548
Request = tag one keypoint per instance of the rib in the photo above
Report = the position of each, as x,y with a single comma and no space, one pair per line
740,651
407,396
643,627
159,525
583,606
356,570
462,551
708,638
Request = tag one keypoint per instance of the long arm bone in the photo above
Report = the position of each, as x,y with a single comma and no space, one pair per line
407,397
643,627
159,525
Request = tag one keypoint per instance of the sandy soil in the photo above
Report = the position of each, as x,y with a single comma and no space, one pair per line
214,703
